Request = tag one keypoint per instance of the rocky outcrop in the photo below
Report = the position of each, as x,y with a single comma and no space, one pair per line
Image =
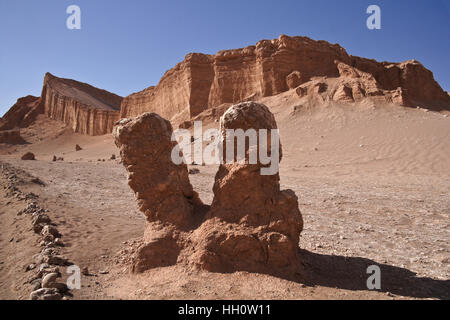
22,113
251,225
84,108
11,137
162,188
28,156
270,67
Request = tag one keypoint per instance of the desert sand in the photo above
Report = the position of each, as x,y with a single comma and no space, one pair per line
373,182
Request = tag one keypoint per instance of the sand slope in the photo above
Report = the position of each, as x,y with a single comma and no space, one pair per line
373,184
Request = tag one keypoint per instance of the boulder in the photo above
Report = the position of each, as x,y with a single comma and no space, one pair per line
49,280
11,137
28,156
162,188
274,66
252,224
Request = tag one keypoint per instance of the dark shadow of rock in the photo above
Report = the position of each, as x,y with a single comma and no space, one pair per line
350,273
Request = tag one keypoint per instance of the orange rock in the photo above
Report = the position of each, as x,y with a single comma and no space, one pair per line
84,108
271,67
22,113
11,137
28,156
252,225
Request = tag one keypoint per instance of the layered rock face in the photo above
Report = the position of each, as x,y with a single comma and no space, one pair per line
273,66
22,113
252,225
84,108
183,91
11,137
162,189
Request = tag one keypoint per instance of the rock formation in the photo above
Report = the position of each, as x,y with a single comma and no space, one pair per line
84,108
252,225
162,189
271,67
28,156
22,113
11,137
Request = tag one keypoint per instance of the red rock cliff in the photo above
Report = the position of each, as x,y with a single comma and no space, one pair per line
273,66
86,109
22,113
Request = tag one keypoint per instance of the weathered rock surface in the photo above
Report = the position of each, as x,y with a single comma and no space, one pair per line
271,67
22,113
252,225
84,108
11,137
28,156
162,189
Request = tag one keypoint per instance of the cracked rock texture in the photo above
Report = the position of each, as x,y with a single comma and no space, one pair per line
270,67
251,225
86,109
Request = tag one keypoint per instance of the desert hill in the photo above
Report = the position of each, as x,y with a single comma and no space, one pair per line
371,174
320,70
372,183
82,107
86,109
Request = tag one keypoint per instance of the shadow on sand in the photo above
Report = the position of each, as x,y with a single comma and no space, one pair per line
350,273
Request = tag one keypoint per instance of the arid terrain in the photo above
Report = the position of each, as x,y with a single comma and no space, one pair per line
88,180
373,183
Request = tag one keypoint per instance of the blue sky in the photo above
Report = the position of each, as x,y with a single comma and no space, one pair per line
126,46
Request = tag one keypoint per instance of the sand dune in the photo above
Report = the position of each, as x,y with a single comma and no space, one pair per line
373,184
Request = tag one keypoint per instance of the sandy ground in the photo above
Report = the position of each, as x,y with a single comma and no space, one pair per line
373,186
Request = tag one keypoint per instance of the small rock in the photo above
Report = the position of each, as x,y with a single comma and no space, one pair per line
85,271
58,242
56,260
49,280
194,171
62,287
28,156
30,267
78,148
45,294
40,218
50,230
36,284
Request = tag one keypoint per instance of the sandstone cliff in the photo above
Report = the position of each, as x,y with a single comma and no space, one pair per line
204,81
22,113
84,108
